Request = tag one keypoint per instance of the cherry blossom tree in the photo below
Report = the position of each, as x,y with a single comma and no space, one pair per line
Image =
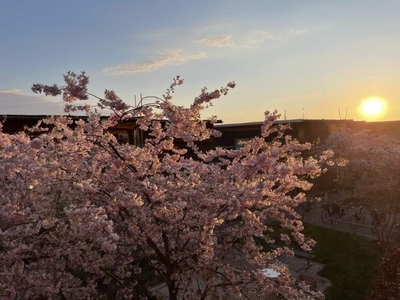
371,174
85,217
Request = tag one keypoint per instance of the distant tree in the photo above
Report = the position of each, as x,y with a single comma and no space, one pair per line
85,217
371,174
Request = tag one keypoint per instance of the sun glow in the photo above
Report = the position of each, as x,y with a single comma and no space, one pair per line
373,107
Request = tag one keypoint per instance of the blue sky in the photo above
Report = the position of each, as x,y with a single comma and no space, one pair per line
310,59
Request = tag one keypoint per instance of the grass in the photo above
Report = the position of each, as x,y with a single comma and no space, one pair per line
351,261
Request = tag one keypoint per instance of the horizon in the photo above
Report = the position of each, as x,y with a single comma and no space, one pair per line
220,122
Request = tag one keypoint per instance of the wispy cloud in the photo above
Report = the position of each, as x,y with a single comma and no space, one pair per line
296,31
167,58
13,101
11,91
250,39
253,39
219,41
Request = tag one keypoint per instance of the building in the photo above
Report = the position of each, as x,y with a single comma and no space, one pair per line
304,130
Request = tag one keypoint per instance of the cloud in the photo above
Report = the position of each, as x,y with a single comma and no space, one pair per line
13,102
244,40
253,39
219,42
168,58
296,31
11,91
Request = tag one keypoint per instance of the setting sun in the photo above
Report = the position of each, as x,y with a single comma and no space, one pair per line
373,107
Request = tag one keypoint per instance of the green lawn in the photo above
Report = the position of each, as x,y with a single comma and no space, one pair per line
350,260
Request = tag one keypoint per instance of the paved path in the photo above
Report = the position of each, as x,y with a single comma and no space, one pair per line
297,266
344,224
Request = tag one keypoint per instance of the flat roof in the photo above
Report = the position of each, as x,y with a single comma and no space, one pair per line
259,123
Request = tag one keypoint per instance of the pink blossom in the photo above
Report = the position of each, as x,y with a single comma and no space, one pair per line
36,144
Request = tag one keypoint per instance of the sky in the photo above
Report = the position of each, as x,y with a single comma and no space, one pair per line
305,59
